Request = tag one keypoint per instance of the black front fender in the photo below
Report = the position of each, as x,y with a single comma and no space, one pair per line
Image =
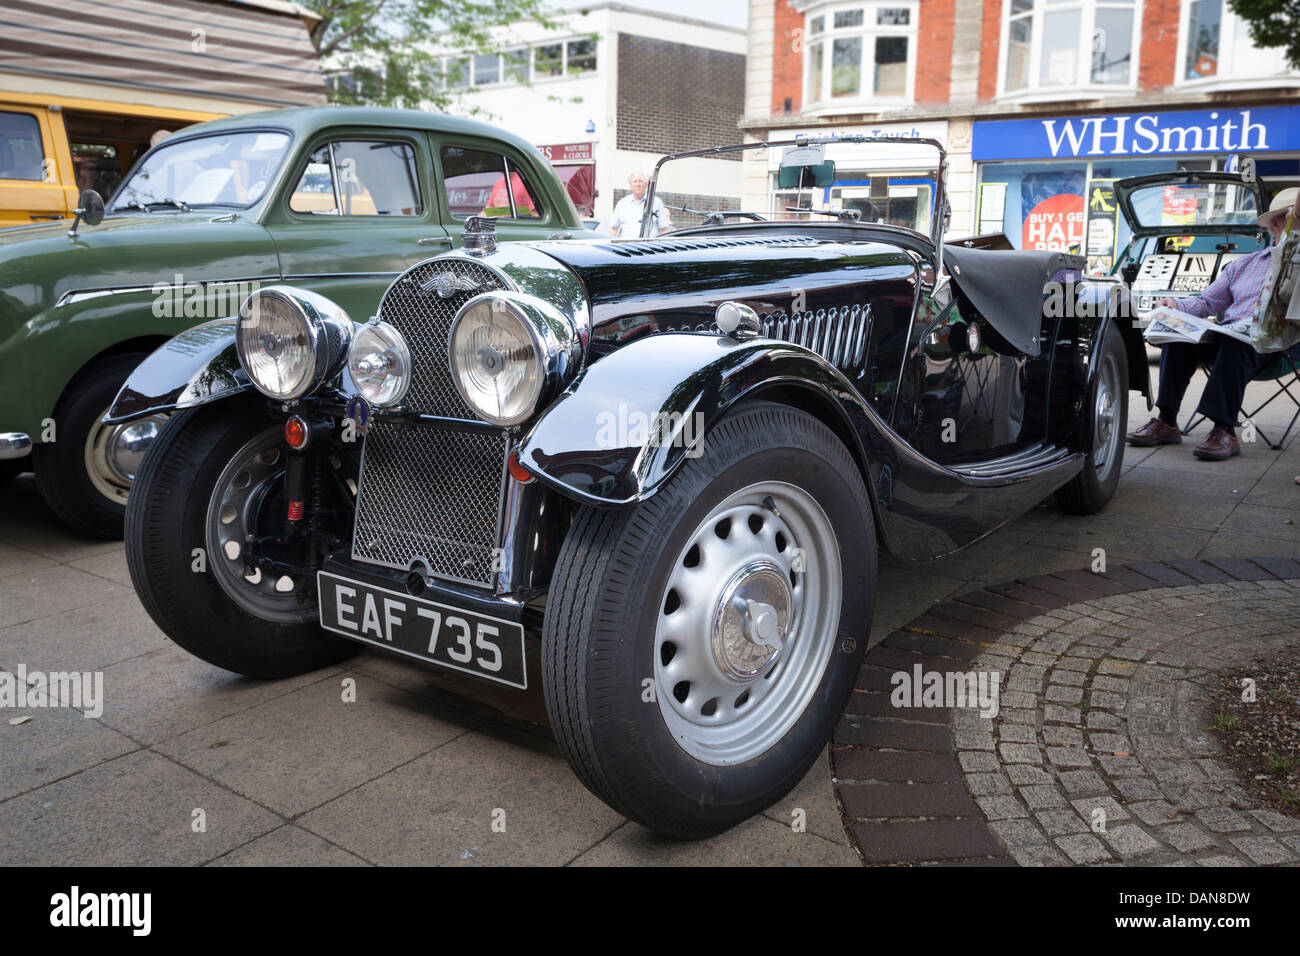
626,425
194,368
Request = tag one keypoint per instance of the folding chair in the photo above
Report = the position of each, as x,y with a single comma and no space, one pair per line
1285,371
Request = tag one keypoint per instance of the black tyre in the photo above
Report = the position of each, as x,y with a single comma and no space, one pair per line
699,648
214,475
1105,419
85,474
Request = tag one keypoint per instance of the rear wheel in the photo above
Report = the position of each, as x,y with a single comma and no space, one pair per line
1107,417
211,483
699,647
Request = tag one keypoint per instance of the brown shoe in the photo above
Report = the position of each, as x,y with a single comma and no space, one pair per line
1220,446
1155,432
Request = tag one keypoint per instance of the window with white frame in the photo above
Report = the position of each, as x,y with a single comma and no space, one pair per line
1069,44
521,64
1215,45
861,52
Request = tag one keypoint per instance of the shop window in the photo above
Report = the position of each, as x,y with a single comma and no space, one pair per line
1061,44
870,48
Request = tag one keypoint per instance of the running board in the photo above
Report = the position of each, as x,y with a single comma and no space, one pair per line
1035,456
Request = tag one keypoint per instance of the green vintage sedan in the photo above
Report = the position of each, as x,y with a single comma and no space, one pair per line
339,201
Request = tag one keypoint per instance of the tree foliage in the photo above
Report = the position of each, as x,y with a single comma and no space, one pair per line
1273,23
409,53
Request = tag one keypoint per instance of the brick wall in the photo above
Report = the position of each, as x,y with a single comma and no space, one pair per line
934,50
656,77
787,61
991,38
1158,45
680,219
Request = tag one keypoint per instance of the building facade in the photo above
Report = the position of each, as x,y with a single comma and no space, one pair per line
1041,104
609,92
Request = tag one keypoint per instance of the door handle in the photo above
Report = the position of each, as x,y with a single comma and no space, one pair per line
435,240
47,215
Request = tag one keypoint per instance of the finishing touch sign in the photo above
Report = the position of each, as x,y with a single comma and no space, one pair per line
1250,129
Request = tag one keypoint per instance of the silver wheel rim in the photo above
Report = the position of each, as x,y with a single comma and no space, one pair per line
1105,424
113,454
727,697
236,499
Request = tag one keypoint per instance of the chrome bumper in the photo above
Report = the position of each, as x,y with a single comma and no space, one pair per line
14,445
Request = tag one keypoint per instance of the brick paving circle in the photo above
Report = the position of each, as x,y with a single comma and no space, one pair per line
1099,752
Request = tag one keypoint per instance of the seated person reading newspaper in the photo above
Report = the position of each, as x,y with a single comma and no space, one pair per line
1230,345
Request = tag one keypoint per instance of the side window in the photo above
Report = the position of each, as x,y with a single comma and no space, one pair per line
359,178
21,154
475,182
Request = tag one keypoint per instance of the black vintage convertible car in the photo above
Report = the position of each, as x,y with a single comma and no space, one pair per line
669,460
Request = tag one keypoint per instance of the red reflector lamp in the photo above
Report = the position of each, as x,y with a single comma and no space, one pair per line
296,433
295,510
517,471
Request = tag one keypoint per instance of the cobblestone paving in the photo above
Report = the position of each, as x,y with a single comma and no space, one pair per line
1100,752
1102,739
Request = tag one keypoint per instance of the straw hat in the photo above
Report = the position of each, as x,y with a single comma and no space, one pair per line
1280,204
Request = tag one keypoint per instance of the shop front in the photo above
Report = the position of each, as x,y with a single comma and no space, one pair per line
894,184
576,167
1048,182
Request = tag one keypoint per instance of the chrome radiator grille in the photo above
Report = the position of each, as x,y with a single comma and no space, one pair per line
838,335
431,494
427,494
416,307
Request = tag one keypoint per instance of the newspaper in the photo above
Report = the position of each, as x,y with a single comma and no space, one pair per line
1170,325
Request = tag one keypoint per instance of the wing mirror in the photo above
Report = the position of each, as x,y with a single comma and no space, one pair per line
90,210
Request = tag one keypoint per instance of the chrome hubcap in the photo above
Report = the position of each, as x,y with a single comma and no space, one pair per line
752,621
747,623
1105,413
113,454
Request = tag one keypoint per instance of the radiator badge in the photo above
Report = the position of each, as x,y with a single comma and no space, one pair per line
447,284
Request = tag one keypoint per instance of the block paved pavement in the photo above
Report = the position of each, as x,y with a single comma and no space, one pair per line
285,772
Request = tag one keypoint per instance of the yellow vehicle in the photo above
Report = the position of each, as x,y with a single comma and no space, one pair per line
53,147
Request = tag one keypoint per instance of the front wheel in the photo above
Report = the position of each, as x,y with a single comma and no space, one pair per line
211,485
699,647
1106,419
85,473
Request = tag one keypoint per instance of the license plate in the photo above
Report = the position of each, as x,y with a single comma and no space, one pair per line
487,647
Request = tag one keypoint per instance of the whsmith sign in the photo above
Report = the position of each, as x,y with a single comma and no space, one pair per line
1239,130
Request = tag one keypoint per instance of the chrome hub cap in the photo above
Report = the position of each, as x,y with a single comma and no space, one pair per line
752,621
245,490
747,623
113,454
1106,432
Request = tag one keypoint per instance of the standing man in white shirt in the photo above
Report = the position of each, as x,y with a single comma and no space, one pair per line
629,211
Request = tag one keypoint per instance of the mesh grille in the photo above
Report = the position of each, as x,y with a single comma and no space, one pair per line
430,493
415,308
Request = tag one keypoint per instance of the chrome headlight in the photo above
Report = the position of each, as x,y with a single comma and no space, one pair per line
290,340
380,364
509,352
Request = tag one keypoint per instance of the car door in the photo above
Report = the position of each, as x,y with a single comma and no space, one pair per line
482,178
358,210
30,187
